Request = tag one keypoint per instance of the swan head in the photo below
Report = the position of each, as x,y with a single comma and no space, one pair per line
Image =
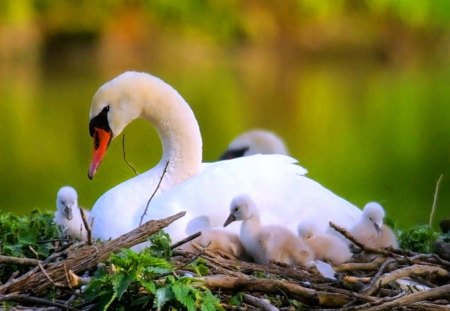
306,230
254,142
373,213
114,105
65,200
241,208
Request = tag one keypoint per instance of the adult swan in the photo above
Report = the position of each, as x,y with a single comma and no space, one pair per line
275,182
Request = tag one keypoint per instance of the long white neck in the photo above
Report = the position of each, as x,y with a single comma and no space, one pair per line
251,226
145,96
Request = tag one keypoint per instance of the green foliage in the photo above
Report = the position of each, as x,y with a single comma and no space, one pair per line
419,238
19,233
146,280
160,245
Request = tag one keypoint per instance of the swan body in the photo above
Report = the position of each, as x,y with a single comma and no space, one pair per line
275,182
68,216
267,243
253,142
371,231
327,247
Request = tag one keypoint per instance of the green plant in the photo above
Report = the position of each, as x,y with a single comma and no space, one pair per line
21,236
418,238
145,280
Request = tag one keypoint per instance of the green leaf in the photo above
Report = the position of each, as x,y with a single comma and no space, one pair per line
183,295
162,296
121,281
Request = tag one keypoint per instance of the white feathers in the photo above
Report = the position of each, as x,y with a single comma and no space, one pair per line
68,216
370,229
276,184
267,243
326,246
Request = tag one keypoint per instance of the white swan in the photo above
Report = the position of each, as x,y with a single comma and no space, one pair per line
266,243
67,215
253,142
278,186
370,229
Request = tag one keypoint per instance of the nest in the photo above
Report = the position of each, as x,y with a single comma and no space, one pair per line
376,279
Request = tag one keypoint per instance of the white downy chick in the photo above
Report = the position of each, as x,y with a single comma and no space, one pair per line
267,243
68,216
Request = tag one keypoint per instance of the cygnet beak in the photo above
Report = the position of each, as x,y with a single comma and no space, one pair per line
68,212
229,220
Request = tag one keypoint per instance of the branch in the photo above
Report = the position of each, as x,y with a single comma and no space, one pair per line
87,226
408,271
293,290
79,259
185,240
34,300
260,304
350,237
349,266
125,158
436,192
8,260
406,300
372,286
154,192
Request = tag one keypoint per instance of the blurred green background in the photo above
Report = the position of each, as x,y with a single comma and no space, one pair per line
359,90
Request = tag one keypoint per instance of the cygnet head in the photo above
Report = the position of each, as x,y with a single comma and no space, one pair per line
306,230
254,142
373,212
242,207
65,200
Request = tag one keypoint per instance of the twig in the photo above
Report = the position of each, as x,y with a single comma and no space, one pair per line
349,266
293,290
154,192
371,287
34,300
86,226
261,304
185,240
9,260
125,158
412,298
41,266
436,192
350,237
411,270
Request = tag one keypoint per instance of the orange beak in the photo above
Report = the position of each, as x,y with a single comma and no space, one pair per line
102,138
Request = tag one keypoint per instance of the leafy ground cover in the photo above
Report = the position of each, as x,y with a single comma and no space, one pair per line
163,279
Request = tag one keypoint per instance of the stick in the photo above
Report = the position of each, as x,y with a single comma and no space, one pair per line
349,266
185,240
154,192
436,192
372,286
125,158
79,259
260,304
9,260
412,298
86,226
350,237
293,290
408,271
34,300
